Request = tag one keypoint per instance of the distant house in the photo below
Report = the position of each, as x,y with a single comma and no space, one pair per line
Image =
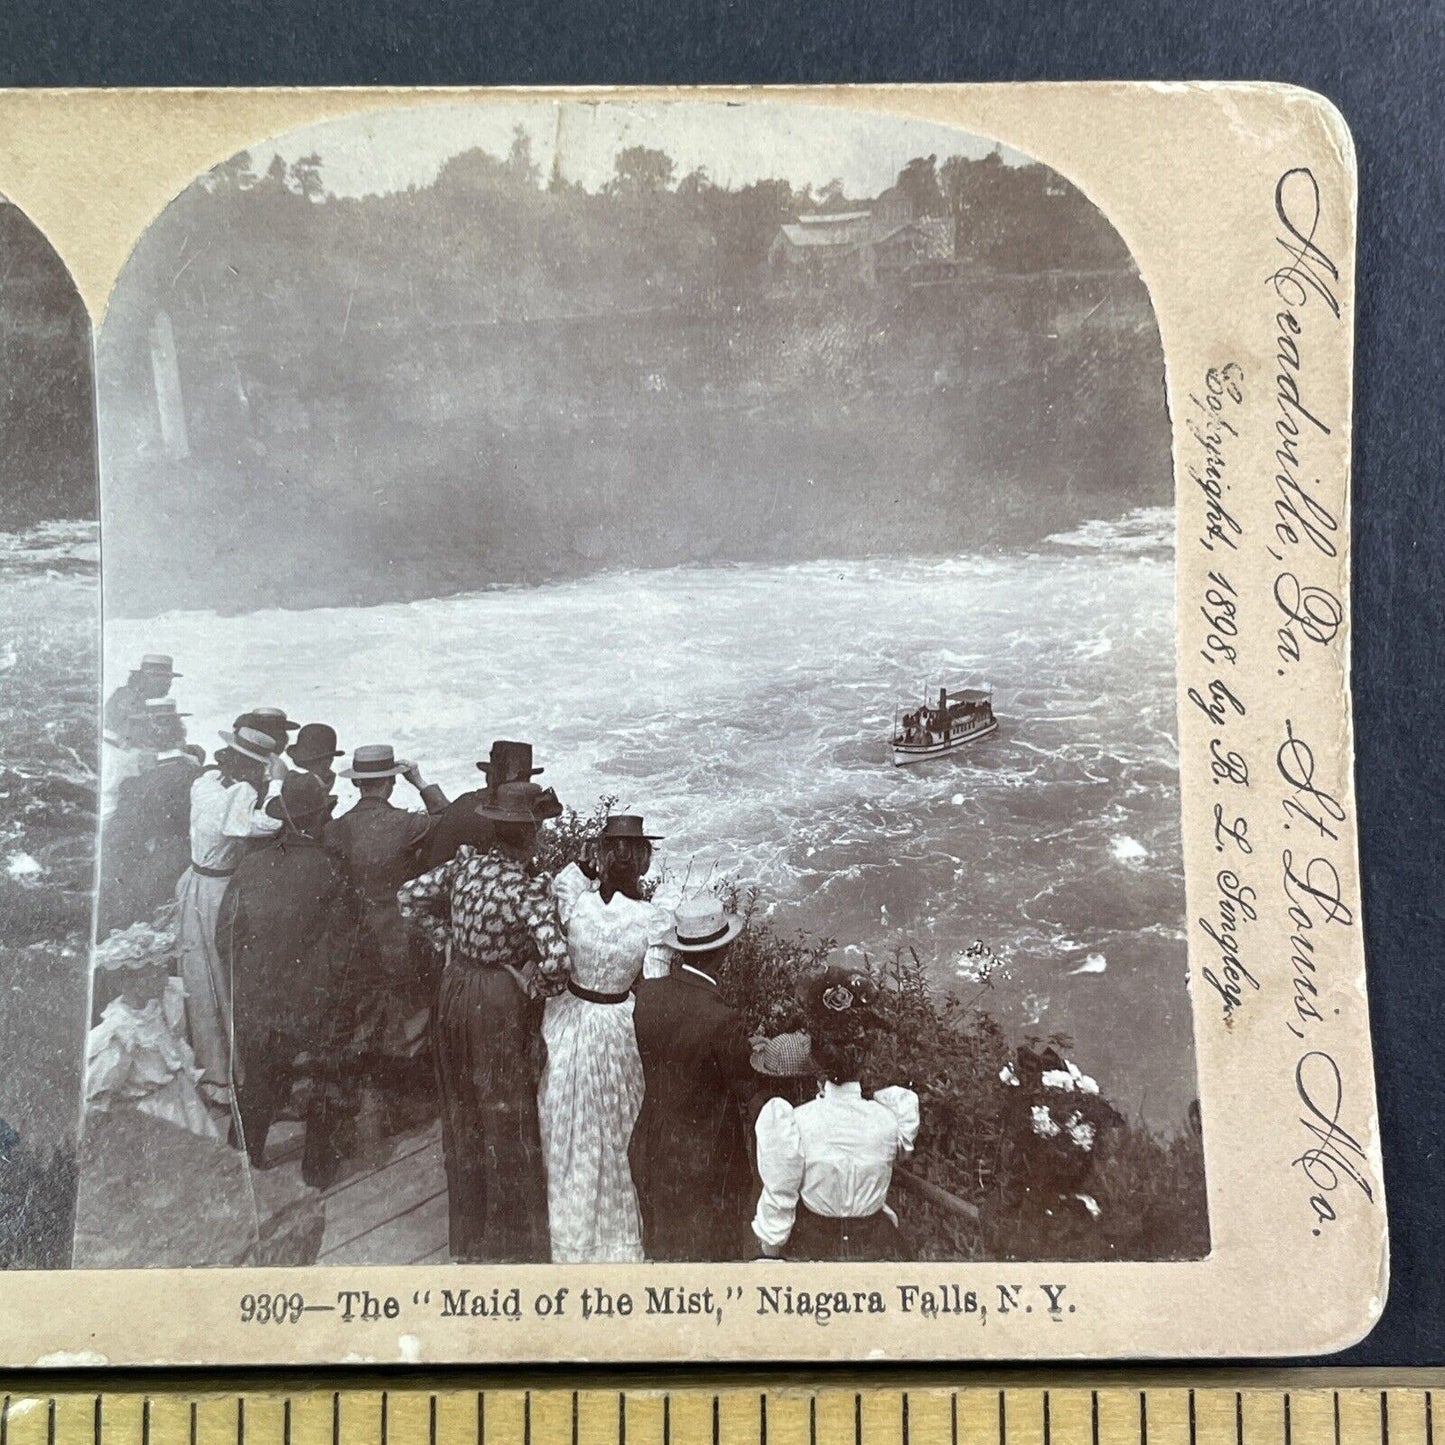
859,248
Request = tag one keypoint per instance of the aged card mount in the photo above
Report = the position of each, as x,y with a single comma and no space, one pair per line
926,508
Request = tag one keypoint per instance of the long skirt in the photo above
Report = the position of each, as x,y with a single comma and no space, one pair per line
485,1041
208,991
589,1101
817,1238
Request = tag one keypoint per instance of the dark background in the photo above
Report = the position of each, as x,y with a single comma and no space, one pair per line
1383,64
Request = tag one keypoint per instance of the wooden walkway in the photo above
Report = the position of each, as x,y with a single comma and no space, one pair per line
391,1210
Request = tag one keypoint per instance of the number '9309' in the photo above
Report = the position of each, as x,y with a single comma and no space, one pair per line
271,1309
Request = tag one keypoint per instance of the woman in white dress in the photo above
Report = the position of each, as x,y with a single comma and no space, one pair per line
826,1165
227,808
591,1088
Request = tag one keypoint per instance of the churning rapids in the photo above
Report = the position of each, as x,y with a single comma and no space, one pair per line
746,711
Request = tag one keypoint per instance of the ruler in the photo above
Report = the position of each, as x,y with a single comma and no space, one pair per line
1258,1410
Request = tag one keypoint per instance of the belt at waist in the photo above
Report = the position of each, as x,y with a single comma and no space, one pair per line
592,996
838,1221
211,872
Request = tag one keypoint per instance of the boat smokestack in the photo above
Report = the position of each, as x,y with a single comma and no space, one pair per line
943,699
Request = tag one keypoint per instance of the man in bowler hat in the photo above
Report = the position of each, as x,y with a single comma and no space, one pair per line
461,822
689,1152
315,751
289,932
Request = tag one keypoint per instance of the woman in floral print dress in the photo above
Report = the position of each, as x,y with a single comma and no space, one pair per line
591,1088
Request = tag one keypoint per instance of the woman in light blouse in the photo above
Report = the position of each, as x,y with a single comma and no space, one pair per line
826,1165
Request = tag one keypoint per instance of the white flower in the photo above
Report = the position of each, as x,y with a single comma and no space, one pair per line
1007,1076
1090,1203
1044,1125
1058,1079
1080,1130
1082,1082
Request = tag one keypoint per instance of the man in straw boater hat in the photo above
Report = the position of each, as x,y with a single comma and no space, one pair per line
461,822
381,844
288,934
496,923
690,1157
150,680
315,752
144,846
226,812
125,741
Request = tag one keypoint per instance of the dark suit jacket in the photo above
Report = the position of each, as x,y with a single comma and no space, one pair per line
458,823
146,846
689,1151
289,933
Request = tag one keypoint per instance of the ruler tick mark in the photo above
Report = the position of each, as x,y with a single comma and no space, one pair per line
241,1420
145,1422
575,1410
715,1431
384,1411
621,1417
1238,1418
813,1420
1337,1417
904,1419
286,1421
1094,1416
95,1419
431,1420
1143,1418
667,1420
481,1417
50,1422
1192,1425
763,1421
527,1418
193,1422
1429,1419
335,1419
953,1417
1002,1420
5,1421
1288,1424
1047,1425
1384,1418
857,1420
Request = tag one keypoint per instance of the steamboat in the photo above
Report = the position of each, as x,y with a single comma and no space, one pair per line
960,718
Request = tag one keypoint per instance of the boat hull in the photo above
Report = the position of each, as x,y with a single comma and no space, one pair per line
905,754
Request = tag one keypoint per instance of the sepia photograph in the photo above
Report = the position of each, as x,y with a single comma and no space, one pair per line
639,706
49,676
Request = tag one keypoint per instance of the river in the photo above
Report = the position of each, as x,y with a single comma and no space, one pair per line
746,709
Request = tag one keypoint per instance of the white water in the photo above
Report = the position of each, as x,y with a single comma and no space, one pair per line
746,710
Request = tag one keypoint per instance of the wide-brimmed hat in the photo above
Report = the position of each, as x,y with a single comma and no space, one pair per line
161,664
509,763
275,715
839,999
159,709
543,803
701,925
315,743
270,720
626,825
373,760
252,743
516,803
788,1056
302,796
